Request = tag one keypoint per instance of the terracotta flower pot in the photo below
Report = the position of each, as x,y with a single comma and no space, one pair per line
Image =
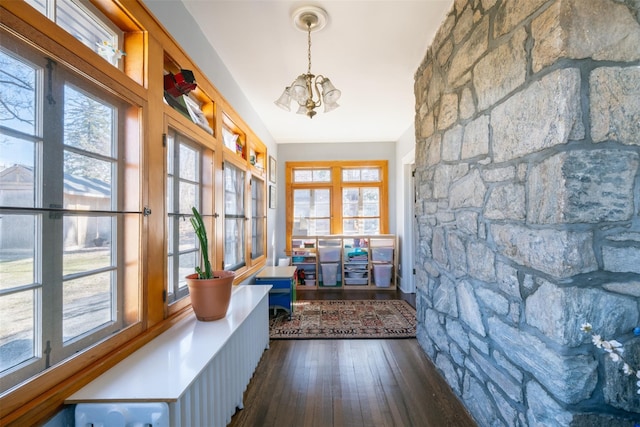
210,297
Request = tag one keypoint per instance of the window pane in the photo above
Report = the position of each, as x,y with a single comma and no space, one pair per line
371,226
187,237
370,175
17,250
87,304
17,161
187,265
312,175
360,202
361,175
322,175
319,226
17,337
86,27
18,95
86,245
233,191
350,201
361,226
234,210
188,194
17,189
370,202
351,175
88,123
257,238
350,226
189,164
257,217
87,182
311,203
349,209
183,193
170,220
302,176
312,211
233,243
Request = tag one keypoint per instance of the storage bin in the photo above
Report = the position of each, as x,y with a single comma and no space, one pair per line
329,274
329,254
382,275
382,254
355,274
310,282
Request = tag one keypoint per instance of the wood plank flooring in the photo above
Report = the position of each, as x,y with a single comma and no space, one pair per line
349,383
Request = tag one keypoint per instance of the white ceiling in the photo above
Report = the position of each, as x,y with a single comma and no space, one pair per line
369,49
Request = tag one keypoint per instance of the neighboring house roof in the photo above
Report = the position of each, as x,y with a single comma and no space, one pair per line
19,175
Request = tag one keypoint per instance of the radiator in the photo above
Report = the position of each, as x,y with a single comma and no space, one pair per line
214,388
216,393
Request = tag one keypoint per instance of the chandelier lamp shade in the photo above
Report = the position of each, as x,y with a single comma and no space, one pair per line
308,90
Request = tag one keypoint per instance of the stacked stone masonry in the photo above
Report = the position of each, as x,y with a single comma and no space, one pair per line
528,181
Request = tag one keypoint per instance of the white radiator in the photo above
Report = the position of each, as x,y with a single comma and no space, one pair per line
199,369
216,393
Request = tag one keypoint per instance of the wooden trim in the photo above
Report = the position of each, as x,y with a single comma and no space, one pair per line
147,44
335,187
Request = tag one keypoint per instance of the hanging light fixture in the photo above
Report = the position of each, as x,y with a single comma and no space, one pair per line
308,90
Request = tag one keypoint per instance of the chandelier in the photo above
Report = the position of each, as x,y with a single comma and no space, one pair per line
308,90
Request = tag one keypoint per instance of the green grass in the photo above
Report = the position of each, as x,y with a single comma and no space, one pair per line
20,272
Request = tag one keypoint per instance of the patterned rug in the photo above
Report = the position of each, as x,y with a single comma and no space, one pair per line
344,319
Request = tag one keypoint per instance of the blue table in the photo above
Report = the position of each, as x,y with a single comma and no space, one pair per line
283,282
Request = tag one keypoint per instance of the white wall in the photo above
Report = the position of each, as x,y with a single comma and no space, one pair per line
334,151
405,158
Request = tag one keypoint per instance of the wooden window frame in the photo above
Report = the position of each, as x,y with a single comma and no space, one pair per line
147,45
336,185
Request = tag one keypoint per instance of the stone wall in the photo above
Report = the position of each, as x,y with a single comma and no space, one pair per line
528,181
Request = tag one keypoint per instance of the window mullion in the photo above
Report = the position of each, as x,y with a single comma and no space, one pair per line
176,218
51,238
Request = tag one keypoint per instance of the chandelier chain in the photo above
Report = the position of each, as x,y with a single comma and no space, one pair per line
309,45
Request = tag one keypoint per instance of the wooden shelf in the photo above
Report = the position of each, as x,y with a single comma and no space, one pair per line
361,262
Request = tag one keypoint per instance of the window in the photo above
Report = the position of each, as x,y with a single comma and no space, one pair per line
258,218
84,204
311,211
86,23
183,193
62,269
234,217
361,210
336,198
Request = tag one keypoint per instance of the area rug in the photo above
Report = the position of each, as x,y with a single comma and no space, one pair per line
345,319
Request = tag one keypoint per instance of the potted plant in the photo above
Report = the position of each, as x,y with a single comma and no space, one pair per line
210,290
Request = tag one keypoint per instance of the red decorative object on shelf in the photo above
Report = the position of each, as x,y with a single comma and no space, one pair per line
179,84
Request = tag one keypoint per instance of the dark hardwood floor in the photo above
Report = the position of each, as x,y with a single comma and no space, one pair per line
336,383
